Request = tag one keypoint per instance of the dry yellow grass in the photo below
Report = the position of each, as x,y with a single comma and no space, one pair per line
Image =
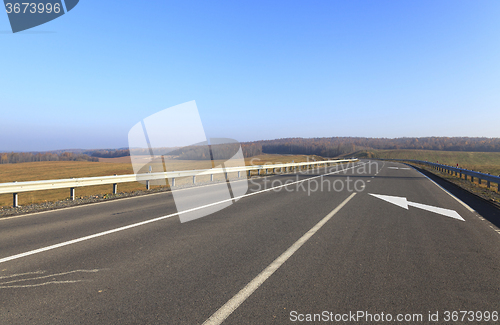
34,171
45,170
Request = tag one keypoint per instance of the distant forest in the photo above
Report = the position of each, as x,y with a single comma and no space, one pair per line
326,147
108,153
62,155
18,157
332,147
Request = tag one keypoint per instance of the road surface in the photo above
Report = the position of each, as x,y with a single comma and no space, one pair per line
274,257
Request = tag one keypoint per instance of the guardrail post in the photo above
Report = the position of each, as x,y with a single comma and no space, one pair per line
258,172
460,174
72,193
115,187
173,182
488,184
212,177
194,179
147,185
14,200
472,179
225,176
238,174
249,173
478,180
267,171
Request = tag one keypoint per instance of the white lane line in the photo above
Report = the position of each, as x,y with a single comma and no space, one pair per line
494,228
453,196
74,241
220,315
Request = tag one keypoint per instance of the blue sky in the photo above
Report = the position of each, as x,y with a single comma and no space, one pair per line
256,69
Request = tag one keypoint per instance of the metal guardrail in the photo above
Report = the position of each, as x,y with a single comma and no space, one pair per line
459,172
72,183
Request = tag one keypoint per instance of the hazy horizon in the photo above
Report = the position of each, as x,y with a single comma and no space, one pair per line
126,147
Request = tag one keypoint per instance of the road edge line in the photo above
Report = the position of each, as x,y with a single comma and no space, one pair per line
453,196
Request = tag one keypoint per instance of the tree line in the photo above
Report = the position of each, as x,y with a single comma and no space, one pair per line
19,157
335,146
108,153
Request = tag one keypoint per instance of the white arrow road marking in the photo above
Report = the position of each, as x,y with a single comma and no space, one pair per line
399,201
445,212
403,203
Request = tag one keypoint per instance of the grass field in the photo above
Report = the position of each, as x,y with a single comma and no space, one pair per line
47,170
485,162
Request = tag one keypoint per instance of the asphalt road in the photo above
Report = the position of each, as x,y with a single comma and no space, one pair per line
271,257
